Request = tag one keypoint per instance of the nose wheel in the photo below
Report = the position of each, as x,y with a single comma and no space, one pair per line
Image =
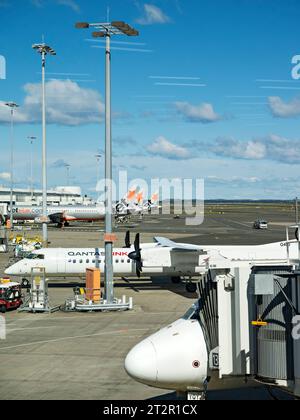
25,283
198,395
191,287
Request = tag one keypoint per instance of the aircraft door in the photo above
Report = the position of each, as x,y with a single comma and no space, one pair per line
61,262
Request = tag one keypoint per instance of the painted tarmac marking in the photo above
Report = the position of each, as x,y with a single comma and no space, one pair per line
71,338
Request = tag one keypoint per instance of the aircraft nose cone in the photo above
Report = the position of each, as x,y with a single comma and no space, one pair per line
141,363
8,271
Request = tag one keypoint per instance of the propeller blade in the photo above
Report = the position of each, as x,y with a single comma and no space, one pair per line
127,240
136,256
297,234
137,244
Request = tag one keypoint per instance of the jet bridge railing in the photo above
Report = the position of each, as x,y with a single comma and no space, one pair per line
289,242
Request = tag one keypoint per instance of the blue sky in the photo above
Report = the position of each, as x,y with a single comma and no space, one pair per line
205,91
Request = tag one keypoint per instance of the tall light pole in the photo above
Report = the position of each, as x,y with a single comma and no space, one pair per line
68,174
12,106
98,157
31,140
106,30
44,49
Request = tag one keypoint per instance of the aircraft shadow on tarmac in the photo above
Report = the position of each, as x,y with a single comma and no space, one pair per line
135,285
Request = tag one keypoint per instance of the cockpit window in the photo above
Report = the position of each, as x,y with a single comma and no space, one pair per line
35,257
192,313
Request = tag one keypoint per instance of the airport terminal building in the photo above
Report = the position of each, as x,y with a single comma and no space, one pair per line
57,196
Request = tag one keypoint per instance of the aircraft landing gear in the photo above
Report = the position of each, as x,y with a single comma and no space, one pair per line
25,283
191,287
198,395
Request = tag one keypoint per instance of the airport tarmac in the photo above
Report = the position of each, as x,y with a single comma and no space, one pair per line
81,356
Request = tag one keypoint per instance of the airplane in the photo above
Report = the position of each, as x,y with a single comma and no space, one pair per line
163,258
60,215
181,345
73,262
134,204
63,215
149,205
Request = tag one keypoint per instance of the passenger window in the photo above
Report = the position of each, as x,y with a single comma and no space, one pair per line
122,261
128,261
117,261
94,261
74,261
80,261
87,261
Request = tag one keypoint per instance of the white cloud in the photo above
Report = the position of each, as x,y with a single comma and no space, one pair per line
272,147
162,147
70,3
67,104
5,176
234,179
152,15
203,113
282,109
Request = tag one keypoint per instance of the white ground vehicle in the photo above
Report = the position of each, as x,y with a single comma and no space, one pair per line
260,224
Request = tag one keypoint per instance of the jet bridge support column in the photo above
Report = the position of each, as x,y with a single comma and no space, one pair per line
234,343
225,319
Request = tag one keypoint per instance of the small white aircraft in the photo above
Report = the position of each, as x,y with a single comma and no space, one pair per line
174,358
73,262
163,258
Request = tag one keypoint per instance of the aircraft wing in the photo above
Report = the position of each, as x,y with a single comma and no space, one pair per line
165,242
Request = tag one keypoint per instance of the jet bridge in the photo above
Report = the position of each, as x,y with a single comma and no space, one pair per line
249,318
